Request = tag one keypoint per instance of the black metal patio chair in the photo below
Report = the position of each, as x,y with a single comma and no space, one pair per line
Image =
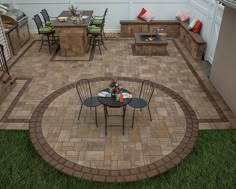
144,98
97,21
84,91
47,19
96,33
45,31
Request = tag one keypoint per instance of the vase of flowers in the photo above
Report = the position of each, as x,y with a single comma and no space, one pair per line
73,10
114,87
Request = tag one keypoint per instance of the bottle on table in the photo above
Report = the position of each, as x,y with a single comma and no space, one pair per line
117,97
121,98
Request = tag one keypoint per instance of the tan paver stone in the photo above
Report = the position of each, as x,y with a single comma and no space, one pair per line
205,126
152,150
123,164
94,155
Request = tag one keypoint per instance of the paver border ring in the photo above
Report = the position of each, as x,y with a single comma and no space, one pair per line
125,175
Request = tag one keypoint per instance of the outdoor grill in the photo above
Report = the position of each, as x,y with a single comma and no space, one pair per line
15,24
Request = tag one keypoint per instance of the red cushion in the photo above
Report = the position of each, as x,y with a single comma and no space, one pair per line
198,26
143,11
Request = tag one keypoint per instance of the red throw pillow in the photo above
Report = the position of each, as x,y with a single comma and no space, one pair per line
198,26
143,11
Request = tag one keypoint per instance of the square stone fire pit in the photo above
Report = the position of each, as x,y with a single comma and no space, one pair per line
150,44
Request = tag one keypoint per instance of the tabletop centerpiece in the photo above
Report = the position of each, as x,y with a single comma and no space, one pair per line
73,10
114,87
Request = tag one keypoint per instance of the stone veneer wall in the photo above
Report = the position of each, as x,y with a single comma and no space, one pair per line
129,28
73,40
192,41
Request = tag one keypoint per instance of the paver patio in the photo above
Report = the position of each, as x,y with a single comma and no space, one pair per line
44,100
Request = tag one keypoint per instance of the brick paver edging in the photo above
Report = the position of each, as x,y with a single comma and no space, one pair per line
126,175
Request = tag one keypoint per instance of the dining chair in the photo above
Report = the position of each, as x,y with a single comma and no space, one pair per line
44,31
46,17
84,91
97,21
96,33
144,98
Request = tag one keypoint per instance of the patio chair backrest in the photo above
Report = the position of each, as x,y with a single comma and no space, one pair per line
45,15
38,22
103,24
146,91
105,13
84,90
104,16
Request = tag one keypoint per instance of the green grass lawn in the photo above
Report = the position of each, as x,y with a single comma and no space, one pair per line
212,164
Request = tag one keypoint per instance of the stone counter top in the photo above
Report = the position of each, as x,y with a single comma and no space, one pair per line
70,22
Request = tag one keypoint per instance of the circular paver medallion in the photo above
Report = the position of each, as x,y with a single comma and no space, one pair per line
79,148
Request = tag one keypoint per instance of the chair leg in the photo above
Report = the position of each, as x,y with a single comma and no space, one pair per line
149,113
99,46
54,40
90,42
49,44
57,40
41,43
104,35
80,110
96,116
133,118
105,113
94,42
103,43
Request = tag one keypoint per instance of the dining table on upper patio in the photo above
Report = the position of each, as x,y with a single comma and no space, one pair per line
72,33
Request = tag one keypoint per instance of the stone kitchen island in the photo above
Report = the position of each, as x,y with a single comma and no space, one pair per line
72,34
